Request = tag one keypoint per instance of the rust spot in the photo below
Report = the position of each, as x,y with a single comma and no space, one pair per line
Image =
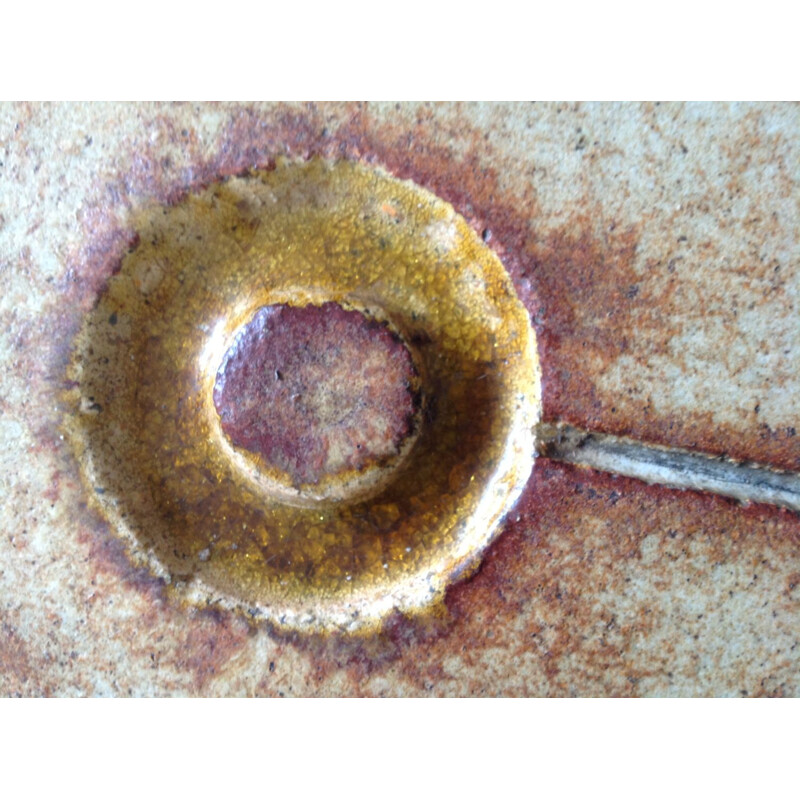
17,674
317,390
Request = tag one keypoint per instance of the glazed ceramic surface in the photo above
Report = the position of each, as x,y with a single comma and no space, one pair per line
655,251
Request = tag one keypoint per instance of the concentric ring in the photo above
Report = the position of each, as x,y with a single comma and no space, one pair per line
147,434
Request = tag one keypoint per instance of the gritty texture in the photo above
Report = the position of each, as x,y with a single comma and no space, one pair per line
657,249
316,390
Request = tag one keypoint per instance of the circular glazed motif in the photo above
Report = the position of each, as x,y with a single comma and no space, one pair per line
309,544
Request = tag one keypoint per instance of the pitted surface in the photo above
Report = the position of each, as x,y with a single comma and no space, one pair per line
317,390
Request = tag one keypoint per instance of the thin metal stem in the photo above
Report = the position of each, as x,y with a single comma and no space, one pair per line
681,469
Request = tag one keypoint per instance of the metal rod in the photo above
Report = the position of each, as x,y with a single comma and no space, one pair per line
681,469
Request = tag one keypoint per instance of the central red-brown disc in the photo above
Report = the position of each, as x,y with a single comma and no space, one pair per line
317,391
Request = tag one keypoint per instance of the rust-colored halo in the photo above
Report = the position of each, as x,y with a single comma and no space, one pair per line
307,233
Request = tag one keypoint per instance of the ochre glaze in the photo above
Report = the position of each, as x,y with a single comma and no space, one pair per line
204,516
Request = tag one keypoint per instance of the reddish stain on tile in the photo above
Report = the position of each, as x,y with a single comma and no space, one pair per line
316,391
16,666
602,585
592,304
210,642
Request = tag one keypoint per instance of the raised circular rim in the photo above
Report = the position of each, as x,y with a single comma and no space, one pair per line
306,232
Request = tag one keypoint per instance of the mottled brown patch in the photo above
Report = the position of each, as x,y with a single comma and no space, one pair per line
544,559
16,668
210,641
316,390
357,658
108,554
208,638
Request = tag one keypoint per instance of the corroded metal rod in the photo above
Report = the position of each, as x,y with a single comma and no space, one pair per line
682,469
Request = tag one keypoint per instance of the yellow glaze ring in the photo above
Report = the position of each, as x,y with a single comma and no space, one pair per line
338,552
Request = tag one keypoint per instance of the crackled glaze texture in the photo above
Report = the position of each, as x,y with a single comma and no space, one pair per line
342,547
657,250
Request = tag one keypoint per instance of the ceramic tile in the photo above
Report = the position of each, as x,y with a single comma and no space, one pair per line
656,248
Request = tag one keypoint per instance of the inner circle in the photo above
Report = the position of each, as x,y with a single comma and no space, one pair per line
318,393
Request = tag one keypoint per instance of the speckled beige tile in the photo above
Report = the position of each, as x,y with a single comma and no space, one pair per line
656,247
